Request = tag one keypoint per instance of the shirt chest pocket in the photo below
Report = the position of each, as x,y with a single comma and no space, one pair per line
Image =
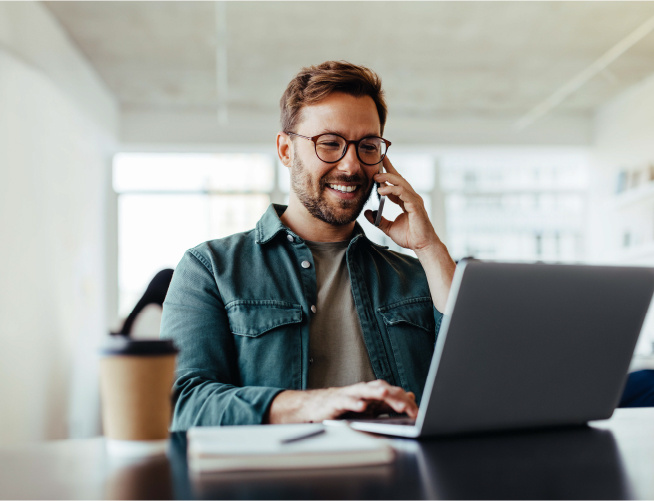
415,312
267,337
411,330
253,318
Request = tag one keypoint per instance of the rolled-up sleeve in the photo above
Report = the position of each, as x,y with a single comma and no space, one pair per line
207,389
438,319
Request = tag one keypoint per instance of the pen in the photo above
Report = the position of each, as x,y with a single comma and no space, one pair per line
297,438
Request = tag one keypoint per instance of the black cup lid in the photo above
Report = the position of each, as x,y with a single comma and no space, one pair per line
120,345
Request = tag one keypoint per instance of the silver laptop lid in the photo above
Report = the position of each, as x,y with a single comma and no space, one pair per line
528,345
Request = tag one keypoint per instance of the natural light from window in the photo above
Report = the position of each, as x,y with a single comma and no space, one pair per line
502,204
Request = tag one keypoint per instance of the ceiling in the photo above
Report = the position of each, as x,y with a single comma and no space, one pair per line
436,59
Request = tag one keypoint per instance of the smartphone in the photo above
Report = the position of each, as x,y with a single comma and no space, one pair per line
382,199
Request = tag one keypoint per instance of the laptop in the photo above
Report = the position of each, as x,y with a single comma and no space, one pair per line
528,345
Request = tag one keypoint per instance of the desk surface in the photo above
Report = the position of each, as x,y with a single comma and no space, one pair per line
611,459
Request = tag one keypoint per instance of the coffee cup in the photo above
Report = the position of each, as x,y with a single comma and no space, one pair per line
136,378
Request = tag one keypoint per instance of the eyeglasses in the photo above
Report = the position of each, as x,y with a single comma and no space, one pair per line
330,147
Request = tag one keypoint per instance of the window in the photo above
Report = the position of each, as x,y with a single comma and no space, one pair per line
497,204
169,203
516,205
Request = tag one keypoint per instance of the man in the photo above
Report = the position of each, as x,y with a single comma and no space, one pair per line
303,318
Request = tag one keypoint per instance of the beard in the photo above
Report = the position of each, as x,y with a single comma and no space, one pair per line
339,213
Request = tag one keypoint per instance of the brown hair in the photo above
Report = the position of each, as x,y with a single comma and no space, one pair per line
314,83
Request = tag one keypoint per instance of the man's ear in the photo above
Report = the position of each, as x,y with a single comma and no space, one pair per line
284,148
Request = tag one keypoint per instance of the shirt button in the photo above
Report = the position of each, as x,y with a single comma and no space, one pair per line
311,361
290,238
313,308
306,264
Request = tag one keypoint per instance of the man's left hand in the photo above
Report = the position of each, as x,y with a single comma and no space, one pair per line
412,229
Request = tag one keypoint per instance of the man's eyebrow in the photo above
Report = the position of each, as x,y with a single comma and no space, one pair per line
332,131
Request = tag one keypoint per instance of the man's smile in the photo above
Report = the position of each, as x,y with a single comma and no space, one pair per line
344,191
343,187
347,187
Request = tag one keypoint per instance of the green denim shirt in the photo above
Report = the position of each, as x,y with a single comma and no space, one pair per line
238,308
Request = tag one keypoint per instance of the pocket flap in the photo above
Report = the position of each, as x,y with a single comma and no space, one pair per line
251,317
418,312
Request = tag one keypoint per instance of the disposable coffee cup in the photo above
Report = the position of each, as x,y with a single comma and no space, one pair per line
136,378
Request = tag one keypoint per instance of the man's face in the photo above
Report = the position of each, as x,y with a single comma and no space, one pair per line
334,193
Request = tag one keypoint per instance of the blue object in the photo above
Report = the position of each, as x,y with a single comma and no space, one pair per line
639,390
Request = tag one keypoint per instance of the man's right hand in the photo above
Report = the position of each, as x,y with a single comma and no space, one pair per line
372,398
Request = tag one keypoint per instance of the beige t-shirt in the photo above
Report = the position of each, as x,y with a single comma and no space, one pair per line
337,353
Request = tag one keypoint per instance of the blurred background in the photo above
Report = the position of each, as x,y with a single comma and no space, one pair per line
131,131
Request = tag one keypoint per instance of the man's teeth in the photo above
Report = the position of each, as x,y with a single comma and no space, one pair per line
344,189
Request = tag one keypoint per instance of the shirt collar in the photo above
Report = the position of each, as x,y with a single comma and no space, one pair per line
270,225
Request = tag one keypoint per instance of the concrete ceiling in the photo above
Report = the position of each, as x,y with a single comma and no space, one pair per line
496,60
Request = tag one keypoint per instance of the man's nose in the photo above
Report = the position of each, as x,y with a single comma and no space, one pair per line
350,162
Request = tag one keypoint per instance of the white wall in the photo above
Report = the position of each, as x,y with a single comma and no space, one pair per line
624,138
57,126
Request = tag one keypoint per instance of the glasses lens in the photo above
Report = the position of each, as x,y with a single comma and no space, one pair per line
372,150
330,147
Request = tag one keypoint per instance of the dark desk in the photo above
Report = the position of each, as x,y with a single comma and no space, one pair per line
610,460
